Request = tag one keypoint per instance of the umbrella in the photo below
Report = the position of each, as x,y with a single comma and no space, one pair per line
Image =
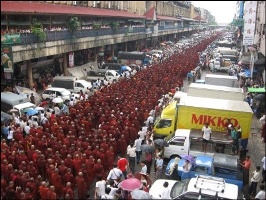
188,157
125,68
259,97
58,100
161,142
39,108
140,194
130,184
31,111
147,148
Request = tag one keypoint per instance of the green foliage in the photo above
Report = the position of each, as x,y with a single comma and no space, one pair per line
114,25
96,26
73,24
37,29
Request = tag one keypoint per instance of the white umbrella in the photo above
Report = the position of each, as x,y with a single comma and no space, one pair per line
57,100
140,194
39,108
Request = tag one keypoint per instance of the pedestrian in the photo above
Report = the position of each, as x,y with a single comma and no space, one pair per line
235,137
263,169
122,164
131,152
107,194
32,98
165,194
206,136
143,167
254,181
99,187
186,169
158,152
173,171
246,166
137,144
148,161
115,175
159,167
261,193
10,135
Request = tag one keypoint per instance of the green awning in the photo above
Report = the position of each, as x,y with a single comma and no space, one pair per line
256,90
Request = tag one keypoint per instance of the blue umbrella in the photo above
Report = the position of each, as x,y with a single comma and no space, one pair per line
31,111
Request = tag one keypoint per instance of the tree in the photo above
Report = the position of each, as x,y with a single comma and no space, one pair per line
73,24
37,29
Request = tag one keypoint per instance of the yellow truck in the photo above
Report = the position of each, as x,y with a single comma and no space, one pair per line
194,112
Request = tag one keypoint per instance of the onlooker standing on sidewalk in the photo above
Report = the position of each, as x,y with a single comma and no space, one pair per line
122,165
261,193
246,166
254,181
206,136
137,144
131,152
263,169
159,167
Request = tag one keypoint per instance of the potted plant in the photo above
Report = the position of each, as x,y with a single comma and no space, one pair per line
114,25
73,24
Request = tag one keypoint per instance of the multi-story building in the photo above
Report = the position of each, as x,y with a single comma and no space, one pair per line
104,26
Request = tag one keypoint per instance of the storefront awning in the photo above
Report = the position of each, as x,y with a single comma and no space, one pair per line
167,18
22,7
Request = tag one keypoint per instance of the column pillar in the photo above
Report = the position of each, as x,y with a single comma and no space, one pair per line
29,72
65,63
125,46
112,50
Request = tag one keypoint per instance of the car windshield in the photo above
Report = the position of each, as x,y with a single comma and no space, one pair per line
179,188
164,123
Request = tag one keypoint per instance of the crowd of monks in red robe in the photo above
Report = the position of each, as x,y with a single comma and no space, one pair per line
72,149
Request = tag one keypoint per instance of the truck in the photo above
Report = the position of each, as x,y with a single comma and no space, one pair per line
194,112
222,80
215,91
217,166
18,103
109,75
71,83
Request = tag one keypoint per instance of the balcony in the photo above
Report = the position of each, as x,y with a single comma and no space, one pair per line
29,38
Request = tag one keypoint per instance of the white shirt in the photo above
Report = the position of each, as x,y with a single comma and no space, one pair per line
260,195
255,177
165,193
56,110
206,133
264,163
142,135
131,151
144,169
100,185
27,129
138,144
150,119
114,174
10,135
113,191
107,196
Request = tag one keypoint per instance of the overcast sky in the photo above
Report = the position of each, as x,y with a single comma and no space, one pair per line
222,10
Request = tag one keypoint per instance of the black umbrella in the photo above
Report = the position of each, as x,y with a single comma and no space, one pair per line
259,97
161,142
147,148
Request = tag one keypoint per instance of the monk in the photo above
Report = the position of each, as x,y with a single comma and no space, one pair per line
68,191
57,182
110,158
68,177
81,186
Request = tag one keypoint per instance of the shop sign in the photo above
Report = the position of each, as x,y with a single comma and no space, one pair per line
249,22
71,59
7,59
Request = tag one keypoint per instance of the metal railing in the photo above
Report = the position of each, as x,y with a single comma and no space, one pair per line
29,38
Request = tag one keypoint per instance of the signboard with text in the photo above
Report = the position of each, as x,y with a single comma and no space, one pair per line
249,22
7,59
71,59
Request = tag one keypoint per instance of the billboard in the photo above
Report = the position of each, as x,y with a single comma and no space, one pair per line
7,58
250,12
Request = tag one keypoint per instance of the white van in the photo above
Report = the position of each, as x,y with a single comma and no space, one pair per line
53,92
10,100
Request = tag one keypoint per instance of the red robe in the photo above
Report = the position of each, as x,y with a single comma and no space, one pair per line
69,191
77,164
68,177
57,182
81,187
110,158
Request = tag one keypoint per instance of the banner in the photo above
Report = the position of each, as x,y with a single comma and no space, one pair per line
7,59
249,22
9,39
71,59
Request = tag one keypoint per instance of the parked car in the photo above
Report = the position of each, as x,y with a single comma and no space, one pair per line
219,165
54,92
200,187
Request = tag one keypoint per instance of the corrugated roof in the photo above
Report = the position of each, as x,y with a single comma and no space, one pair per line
45,8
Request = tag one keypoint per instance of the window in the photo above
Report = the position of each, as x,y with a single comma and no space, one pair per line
58,94
201,169
178,141
79,85
164,123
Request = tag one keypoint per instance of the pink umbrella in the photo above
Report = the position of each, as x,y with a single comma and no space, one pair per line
130,184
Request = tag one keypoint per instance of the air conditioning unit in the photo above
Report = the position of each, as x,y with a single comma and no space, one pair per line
94,4
74,3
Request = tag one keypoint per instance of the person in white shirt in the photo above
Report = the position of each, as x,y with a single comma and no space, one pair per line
57,109
107,194
261,193
263,160
206,136
165,194
143,167
142,135
114,174
150,120
27,128
131,152
10,135
254,181
99,187
113,187
137,144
